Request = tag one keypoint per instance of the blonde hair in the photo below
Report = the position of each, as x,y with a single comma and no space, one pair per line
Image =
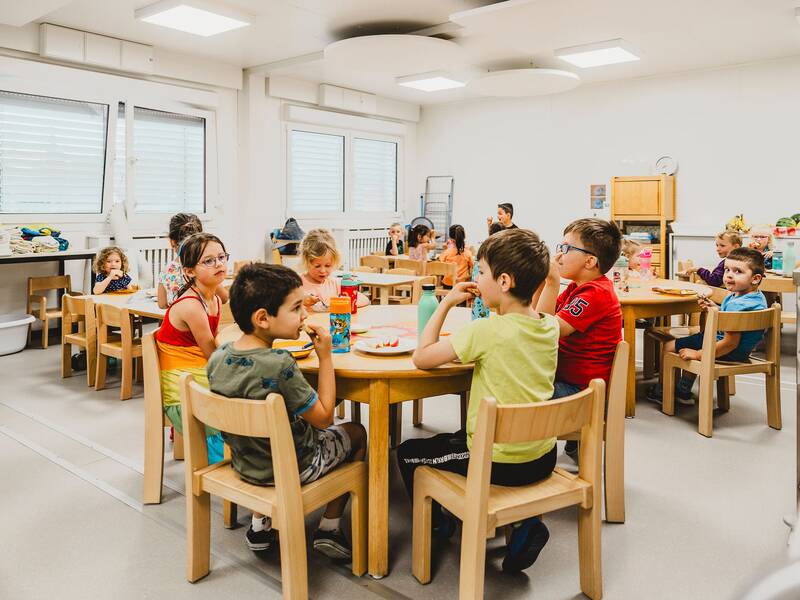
731,236
102,257
630,247
400,225
317,243
763,229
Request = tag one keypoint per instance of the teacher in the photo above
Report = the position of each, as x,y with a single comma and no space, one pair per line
505,213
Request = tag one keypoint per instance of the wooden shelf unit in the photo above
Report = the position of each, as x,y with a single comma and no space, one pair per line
647,200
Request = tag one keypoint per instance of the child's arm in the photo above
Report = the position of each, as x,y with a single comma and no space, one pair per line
100,286
320,415
161,293
432,352
393,249
546,296
223,294
193,316
712,277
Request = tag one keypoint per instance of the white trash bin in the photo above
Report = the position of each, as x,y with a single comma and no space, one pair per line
14,332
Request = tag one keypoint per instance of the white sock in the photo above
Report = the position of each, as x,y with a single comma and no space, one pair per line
261,523
329,524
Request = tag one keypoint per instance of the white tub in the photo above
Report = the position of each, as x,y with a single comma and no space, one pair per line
14,332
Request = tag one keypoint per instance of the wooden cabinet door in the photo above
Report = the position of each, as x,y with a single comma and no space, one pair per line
637,197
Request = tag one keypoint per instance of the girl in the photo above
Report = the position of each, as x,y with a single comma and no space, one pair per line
186,337
457,253
320,258
631,249
111,266
394,246
419,243
170,280
725,242
761,240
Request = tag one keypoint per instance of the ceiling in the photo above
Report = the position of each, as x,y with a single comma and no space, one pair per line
673,36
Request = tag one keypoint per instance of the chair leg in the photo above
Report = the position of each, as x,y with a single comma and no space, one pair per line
416,418
153,453
773,390
100,379
230,511
668,388
591,573
395,424
45,333
473,557
649,357
198,535
359,524
614,472
138,369
177,446
705,417
731,385
66,359
294,563
340,410
421,536
355,412
91,364
126,386
723,399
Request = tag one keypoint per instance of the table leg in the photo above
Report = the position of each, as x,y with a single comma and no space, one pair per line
384,295
629,334
378,478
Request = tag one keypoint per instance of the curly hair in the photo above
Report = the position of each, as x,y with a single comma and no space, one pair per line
102,256
317,243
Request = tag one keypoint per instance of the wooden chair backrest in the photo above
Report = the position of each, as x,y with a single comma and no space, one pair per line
768,319
376,262
276,257
55,282
152,370
237,265
417,266
440,270
618,382
364,270
75,309
399,271
225,314
108,315
684,264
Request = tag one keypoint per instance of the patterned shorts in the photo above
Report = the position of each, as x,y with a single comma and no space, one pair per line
332,449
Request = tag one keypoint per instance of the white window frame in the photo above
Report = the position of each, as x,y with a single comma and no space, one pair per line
348,216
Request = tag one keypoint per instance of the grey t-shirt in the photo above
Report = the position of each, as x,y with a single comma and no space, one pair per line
253,374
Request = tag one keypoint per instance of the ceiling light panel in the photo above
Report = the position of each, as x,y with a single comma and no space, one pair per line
194,16
598,54
430,82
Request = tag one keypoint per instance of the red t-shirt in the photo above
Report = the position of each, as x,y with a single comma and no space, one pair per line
593,310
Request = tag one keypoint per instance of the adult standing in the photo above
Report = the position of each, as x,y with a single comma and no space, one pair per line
505,214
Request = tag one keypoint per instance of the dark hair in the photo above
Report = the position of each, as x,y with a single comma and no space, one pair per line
260,285
496,227
601,238
182,226
508,207
417,232
457,234
752,257
190,253
522,255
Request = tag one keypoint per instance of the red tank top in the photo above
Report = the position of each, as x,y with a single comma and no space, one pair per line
169,334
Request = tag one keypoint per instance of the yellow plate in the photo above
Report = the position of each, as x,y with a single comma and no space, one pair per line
675,291
294,347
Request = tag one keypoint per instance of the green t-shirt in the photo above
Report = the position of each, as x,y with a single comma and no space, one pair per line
253,374
515,360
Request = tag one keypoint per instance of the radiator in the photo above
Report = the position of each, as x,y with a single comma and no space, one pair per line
355,243
157,252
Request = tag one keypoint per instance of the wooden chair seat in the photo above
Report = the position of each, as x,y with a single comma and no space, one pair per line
124,347
78,312
117,350
60,283
666,334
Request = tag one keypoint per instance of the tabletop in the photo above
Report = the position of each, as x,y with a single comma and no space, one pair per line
140,303
641,292
382,279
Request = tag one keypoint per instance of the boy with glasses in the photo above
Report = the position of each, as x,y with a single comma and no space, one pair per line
588,311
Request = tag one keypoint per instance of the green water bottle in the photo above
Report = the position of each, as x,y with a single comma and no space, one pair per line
427,306
789,259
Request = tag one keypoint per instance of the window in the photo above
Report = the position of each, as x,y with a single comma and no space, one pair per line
168,161
316,172
52,155
374,175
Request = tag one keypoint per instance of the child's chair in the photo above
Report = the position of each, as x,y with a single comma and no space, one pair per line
710,370
77,312
125,348
237,265
286,502
418,266
61,283
440,270
380,263
614,436
371,291
400,294
483,508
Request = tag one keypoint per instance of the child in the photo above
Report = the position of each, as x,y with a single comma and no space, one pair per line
761,240
394,246
479,309
515,341
185,339
588,312
505,214
111,266
320,258
631,249
457,253
419,242
744,270
725,242
267,304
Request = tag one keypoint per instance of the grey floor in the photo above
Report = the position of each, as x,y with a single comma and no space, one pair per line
704,516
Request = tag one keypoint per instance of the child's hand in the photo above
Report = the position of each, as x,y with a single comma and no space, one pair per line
321,339
689,354
553,275
116,274
705,302
489,221
690,270
768,254
461,292
310,300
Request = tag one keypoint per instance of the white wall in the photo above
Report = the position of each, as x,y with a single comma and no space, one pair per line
735,133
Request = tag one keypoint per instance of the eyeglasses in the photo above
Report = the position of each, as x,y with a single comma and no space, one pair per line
760,237
565,248
211,261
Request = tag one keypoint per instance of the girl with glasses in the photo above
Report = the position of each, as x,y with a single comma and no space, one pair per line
761,240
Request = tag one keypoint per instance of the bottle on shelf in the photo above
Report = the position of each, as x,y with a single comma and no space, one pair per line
427,306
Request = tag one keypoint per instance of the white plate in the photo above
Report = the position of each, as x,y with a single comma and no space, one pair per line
402,348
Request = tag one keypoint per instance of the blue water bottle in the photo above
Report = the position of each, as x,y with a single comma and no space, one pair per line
340,324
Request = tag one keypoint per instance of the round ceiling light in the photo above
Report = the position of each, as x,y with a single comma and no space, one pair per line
394,55
524,82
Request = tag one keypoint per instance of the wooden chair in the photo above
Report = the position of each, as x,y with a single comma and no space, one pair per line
287,502
614,436
483,507
237,265
125,348
381,263
61,283
400,294
710,370
440,270
225,314
370,290
418,266
78,313
276,257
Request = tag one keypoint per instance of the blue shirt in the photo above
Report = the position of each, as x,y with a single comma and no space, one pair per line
745,302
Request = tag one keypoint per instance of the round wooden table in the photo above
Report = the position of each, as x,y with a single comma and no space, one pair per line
641,302
380,381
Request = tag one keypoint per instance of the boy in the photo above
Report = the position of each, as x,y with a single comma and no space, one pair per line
394,246
725,242
744,270
267,304
514,352
588,312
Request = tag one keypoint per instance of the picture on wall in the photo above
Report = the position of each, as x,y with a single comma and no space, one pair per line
597,189
597,196
598,202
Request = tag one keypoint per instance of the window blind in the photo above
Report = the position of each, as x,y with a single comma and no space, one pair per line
374,175
52,154
317,172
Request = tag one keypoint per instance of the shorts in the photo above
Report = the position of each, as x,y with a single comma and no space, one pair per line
333,448
695,342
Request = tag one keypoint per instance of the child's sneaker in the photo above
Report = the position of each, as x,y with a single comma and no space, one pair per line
683,394
571,450
259,541
332,544
527,540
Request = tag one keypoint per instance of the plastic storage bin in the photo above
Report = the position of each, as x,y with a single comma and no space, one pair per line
14,332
